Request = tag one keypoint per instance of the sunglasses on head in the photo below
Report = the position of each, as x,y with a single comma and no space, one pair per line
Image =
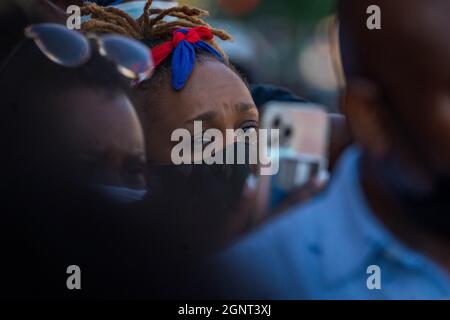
72,49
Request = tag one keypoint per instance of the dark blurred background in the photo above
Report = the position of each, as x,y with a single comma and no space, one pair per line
289,43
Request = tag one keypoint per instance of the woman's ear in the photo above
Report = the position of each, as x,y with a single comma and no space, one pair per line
362,105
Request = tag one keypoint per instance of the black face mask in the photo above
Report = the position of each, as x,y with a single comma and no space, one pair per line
197,200
429,207
218,187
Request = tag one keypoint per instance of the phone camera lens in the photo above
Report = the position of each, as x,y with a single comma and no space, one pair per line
288,132
276,122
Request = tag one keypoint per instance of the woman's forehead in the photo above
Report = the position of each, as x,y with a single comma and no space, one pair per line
213,85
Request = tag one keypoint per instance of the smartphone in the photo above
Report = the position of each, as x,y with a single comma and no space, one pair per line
303,144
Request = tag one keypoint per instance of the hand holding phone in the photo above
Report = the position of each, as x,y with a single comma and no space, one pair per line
303,144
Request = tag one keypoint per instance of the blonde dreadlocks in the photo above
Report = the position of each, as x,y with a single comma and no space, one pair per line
151,24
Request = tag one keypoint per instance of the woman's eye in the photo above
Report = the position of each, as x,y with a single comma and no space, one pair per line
248,133
250,129
250,126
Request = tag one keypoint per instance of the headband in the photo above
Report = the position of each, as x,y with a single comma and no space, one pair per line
182,46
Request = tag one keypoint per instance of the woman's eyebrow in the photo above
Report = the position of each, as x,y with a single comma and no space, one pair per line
209,115
244,107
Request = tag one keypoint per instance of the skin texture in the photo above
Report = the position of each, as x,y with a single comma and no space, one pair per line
398,105
103,136
214,94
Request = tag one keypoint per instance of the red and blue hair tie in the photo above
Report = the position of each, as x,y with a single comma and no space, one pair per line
182,47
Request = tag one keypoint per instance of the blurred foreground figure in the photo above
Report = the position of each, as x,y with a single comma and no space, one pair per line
71,174
382,228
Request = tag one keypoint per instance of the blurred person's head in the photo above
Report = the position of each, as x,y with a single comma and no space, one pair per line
61,130
71,121
397,100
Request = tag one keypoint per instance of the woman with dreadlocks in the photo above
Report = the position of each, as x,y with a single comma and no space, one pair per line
192,81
